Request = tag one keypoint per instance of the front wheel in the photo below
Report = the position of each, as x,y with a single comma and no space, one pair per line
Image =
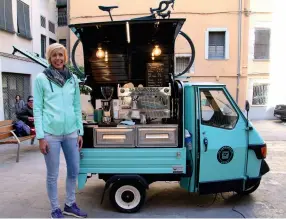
127,196
250,189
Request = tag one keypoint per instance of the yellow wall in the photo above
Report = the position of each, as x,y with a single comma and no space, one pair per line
199,15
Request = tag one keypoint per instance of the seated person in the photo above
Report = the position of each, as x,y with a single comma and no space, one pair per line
26,114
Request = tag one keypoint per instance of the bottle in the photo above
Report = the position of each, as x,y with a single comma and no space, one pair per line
188,139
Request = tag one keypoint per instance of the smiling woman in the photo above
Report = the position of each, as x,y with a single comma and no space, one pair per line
58,124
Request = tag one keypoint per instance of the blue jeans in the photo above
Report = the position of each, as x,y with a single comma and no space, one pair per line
70,148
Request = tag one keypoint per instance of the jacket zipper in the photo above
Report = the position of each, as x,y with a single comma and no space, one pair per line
64,104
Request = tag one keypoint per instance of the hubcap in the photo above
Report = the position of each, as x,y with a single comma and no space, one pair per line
127,196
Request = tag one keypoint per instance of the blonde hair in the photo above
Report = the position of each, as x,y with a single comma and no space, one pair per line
55,47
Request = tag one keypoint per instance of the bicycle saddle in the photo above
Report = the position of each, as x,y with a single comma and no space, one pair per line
107,8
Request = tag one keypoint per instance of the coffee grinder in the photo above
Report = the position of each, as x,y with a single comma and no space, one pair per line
107,92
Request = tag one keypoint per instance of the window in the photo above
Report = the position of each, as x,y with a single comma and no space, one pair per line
51,27
62,16
51,41
216,110
262,43
43,22
6,18
260,93
43,46
217,43
63,42
23,20
182,62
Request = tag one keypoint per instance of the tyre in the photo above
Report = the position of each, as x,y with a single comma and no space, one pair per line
127,196
250,189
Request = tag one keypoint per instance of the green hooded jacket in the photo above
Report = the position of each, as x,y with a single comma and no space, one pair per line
57,110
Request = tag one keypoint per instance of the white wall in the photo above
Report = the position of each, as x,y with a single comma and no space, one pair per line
46,8
17,67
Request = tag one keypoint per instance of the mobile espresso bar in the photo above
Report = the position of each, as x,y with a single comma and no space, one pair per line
150,125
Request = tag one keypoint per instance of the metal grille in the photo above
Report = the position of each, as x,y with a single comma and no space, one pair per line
260,94
43,21
14,84
182,63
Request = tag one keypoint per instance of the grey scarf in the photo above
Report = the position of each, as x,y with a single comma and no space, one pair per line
59,77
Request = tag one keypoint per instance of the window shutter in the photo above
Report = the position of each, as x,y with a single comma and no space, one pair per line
62,16
9,17
262,44
217,45
27,21
2,15
6,18
21,19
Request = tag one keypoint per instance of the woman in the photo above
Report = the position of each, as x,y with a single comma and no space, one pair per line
58,123
19,104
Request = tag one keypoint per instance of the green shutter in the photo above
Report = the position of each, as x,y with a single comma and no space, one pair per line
9,16
2,15
23,20
6,18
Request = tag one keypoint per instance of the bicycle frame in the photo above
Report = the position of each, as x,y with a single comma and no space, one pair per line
159,11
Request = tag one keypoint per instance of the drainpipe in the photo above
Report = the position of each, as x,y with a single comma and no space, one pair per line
239,49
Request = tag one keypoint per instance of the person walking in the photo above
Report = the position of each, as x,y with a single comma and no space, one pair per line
58,124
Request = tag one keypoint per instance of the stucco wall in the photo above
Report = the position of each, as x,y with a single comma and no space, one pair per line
199,18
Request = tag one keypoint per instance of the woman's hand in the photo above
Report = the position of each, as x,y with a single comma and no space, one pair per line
79,142
44,146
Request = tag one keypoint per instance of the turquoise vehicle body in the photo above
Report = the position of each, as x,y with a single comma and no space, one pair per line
199,169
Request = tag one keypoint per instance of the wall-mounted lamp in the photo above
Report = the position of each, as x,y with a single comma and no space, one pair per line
99,53
156,51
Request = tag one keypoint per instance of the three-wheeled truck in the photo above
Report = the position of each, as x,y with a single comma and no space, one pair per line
150,126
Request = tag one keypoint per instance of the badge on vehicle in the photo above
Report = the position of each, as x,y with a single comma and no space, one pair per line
225,155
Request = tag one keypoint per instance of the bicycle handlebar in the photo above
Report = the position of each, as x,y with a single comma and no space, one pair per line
161,9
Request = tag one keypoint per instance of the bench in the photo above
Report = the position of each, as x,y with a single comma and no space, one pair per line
8,136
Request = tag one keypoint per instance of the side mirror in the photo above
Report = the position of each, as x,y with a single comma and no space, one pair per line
247,106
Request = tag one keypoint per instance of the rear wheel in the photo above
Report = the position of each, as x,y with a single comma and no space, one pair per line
127,196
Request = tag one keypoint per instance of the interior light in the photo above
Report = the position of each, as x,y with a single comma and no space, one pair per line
128,32
157,51
106,56
99,53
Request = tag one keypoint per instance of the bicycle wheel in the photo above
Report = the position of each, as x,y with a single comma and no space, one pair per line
192,59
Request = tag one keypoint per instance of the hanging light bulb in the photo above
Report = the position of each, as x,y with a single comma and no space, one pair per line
157,51
153,56
99,53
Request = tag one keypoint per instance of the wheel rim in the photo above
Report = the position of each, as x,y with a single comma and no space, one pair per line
127,197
